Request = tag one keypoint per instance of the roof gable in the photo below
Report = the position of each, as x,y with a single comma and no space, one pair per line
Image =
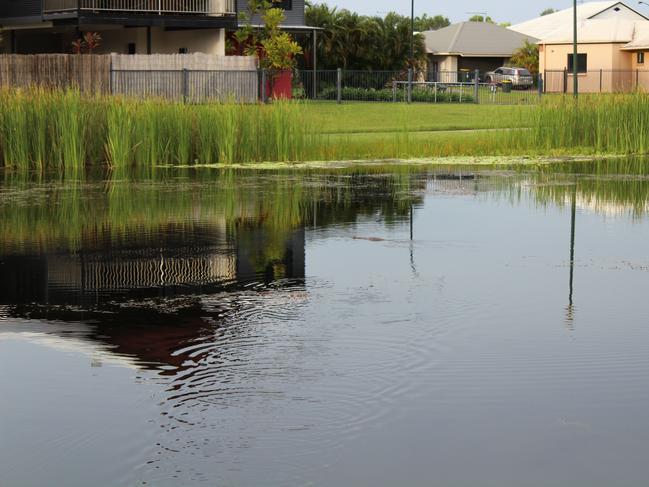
550,25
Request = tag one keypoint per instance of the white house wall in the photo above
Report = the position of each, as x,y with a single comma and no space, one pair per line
448,64
207,41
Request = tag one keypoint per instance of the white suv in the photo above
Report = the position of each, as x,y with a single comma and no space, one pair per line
519,77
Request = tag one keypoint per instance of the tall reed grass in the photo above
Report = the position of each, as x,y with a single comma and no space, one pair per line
615,123
66,131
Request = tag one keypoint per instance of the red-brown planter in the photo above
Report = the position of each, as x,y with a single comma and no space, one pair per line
280,86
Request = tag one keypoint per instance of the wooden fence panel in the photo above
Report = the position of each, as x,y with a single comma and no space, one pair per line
197,78
90,73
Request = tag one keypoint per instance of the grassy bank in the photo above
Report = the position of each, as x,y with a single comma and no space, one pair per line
63,130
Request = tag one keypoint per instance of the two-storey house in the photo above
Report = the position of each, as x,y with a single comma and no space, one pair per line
128,26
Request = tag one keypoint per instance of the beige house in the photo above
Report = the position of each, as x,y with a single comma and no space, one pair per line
461,49
612,41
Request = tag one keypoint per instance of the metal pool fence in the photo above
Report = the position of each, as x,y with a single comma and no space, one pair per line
412,87
597,81
202,86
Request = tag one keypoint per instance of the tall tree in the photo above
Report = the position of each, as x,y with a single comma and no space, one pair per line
424,22
481,18
352,41
548,11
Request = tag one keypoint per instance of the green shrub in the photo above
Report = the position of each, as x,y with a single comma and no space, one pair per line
422,95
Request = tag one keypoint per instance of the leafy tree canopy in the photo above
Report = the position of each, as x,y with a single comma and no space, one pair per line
527,57
275,48
352,41
482,18
425,22
548,11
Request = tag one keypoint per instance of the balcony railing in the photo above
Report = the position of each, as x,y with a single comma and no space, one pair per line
146,7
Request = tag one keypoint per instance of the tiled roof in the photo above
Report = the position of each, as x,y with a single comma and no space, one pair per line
475,39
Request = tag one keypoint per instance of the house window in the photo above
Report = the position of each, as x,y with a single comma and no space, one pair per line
641,58
582,63
131,48
283,4
183,50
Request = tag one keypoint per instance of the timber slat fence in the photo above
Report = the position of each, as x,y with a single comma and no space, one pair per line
175,77
88,73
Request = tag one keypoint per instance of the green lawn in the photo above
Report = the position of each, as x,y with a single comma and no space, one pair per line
369,117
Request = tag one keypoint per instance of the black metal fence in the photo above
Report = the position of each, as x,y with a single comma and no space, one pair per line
409,86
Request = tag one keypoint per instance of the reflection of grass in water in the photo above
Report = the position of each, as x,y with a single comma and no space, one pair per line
38,214
602,195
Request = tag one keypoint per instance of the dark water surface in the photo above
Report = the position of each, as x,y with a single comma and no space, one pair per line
437,327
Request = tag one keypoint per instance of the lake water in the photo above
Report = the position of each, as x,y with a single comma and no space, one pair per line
449,327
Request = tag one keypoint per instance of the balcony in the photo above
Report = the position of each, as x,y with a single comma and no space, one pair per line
77,8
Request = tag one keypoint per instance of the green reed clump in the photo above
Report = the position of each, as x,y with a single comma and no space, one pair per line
66,130
68,125
120,133
14,130
615,123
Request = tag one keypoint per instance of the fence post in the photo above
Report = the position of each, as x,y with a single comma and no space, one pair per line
637,79
541,82
565,81
185,84
394,91
110,78
601,75
545,77
410,76
264,87
476,86
339,85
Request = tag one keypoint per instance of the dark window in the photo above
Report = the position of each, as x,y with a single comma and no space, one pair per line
641,58
131,49
582,63
283,4
183,50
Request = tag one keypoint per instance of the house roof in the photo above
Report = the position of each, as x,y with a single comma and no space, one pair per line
595,31
551,25
474,39
640,37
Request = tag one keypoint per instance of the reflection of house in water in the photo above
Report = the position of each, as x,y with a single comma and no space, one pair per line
107,290
173,262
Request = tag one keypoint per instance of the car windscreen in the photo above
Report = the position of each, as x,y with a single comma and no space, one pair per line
524,72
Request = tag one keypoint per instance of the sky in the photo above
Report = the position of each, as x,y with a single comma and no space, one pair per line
513,11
